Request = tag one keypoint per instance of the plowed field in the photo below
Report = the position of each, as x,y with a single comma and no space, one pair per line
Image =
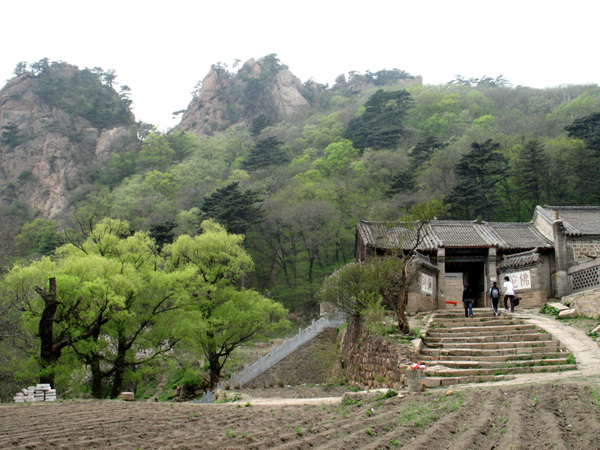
543,416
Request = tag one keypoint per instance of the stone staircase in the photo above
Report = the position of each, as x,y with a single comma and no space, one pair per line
487,348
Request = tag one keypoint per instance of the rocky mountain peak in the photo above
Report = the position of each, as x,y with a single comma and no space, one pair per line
48,136
261,87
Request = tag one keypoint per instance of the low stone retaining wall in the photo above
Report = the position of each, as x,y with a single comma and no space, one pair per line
586,303
373,362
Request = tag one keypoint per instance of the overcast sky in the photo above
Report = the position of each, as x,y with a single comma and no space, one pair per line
161,49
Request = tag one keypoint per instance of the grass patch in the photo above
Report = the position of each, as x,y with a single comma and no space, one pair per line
595,394
425,410
547,309
384,395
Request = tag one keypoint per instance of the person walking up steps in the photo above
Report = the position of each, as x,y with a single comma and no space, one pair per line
509,293
468,301
495,296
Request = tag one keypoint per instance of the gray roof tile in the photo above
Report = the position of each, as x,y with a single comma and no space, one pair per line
578,220
440,233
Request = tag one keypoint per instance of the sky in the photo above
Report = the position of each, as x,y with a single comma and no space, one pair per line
161,49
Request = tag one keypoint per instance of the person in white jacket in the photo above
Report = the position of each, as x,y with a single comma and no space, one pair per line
509,293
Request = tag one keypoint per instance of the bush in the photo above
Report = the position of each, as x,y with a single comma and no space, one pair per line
190,379
547,309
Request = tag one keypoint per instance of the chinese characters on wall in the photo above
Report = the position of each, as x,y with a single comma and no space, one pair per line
521,280
426,284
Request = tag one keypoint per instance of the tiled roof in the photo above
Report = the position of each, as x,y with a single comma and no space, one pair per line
440,233
519,260
578,220
519,235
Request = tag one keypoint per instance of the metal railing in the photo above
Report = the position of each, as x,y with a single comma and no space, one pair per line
278,353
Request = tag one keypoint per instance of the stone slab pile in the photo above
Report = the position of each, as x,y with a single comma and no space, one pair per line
41,392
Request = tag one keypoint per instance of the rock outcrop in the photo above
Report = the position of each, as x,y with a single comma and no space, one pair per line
44,148
260,87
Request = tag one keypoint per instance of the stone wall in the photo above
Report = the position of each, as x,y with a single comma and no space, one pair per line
541,284
418,302
372,362
303,366
422,291
586,303
582,250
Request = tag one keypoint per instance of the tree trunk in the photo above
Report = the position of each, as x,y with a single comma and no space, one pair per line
119,368
403,327
215,370
49,354
96,377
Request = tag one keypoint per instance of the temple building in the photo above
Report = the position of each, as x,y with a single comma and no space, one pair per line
554,255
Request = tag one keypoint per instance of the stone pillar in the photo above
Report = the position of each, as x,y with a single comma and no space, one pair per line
492,274
441,278
561,277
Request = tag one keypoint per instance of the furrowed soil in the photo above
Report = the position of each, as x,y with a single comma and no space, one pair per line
536,411
552,415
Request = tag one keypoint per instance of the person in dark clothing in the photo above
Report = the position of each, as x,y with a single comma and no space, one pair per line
468,301
495,296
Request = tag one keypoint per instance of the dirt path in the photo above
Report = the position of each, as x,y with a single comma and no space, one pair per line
532,412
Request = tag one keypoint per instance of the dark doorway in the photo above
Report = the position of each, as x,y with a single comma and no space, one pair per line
472,266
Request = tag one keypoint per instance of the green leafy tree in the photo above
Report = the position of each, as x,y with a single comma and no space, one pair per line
351,289
478,175
358,286
223,315
39,237
108,302
182,144
405,180
65,313
338,158
156,153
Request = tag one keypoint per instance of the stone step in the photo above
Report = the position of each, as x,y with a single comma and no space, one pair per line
501,337
524,351
476,331
449,372
447,381
485,348
504,363
500,345
432,359
475,322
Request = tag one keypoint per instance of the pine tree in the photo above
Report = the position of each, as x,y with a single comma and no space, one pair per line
478,174
532,172
233,209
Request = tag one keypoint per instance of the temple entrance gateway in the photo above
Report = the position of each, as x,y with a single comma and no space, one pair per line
471,264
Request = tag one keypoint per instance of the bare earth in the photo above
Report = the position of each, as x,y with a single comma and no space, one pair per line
542,411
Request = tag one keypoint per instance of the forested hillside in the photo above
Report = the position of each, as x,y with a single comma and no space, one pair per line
294,173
